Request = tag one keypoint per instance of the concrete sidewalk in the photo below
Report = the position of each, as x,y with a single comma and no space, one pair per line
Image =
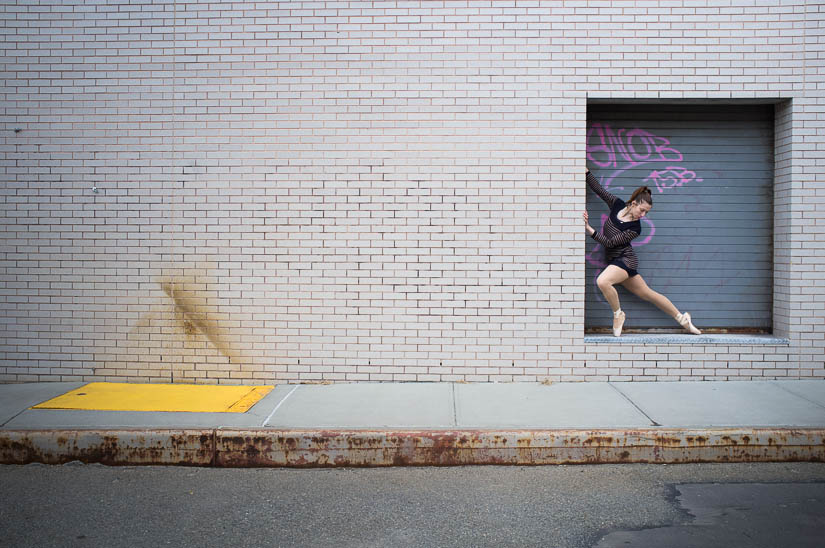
384,424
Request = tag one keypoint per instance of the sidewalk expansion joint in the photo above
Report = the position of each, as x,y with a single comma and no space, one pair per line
631,402
14,417
280,403
779,385
455,407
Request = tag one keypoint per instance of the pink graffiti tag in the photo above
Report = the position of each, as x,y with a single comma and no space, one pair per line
636,147
671,177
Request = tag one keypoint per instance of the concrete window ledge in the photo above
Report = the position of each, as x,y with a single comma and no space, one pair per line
655,338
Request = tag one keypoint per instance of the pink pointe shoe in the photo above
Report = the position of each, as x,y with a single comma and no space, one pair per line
618,322
684,321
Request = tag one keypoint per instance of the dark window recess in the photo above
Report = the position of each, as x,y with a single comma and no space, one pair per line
708,242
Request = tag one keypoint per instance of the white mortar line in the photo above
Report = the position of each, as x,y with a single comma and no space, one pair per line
280,403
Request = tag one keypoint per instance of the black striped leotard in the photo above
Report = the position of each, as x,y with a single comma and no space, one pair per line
616,235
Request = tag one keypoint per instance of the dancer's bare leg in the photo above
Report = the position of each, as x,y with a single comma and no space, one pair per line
638,287
607,279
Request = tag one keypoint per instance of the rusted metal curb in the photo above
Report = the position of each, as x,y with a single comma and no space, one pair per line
322,448
112,447
528,447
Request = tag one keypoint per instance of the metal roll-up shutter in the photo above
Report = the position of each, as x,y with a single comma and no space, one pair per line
707,244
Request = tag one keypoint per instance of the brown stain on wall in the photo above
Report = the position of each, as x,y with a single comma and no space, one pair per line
195,311
185,330
189,328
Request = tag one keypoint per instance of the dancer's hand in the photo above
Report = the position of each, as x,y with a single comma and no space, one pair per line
589,229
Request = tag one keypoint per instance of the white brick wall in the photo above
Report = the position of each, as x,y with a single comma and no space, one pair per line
365,191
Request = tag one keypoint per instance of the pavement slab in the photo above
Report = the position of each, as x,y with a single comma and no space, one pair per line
563,405
16,398
723,404
391,405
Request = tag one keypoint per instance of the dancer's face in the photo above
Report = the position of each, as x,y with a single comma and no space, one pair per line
639,210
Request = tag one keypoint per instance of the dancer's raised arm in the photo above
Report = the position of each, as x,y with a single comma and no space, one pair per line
594,185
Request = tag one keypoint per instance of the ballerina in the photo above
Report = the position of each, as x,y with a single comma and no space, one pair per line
622,226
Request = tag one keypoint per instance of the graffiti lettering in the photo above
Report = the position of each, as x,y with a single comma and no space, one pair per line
671,177
635,147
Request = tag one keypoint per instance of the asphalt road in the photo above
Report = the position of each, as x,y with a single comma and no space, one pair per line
705,505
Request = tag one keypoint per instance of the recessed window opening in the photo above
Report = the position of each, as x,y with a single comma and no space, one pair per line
707,241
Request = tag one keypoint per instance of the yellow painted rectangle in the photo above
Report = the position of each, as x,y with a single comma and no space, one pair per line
194,398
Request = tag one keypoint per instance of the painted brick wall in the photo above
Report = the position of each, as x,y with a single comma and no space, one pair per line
365,191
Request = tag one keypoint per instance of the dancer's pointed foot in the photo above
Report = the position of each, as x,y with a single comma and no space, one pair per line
618,322
684,321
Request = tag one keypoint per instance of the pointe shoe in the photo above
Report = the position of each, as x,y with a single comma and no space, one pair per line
618,322
684,321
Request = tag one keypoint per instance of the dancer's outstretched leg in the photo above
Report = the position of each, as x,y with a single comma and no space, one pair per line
607,279
639,287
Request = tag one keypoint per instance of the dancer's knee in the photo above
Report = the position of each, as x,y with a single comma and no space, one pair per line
604,283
